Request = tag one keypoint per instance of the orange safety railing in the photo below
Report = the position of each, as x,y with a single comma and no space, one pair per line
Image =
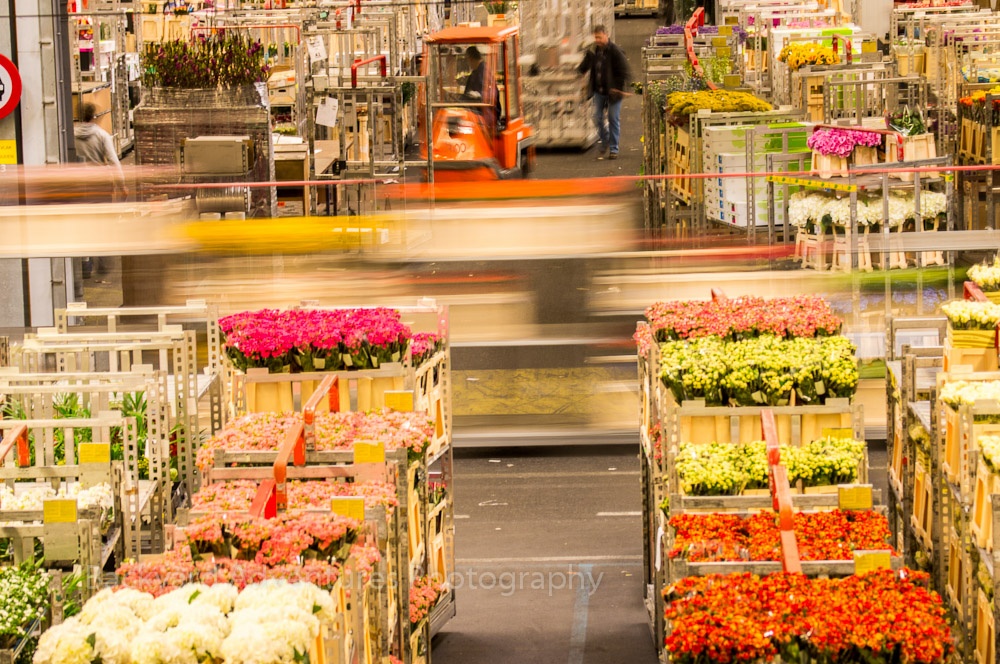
718,295
16,436
690,29
781,495
329,388
381,59
973,292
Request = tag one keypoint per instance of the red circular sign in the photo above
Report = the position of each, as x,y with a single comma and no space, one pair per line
10,86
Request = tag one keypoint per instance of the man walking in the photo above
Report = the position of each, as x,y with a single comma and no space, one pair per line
608,77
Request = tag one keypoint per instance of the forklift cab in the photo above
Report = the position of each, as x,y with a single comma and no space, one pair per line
477,122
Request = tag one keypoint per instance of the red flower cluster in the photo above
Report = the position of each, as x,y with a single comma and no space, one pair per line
741,318
831,535
724,619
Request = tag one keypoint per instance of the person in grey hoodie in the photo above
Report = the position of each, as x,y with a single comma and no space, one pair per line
95,146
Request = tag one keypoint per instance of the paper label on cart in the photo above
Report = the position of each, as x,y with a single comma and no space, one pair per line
317,49
725,30
732,20
840,432
59,511
731,81
8,152
868,47
369,452
869,561
352,508
720,41
724,52
326,115
854,498
94,453
399,400
820,387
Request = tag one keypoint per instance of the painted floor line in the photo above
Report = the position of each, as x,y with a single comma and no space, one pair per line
532,476
463,516
550,559
578,637
619,514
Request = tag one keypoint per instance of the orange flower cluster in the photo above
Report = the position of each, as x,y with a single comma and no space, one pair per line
881,616
831,535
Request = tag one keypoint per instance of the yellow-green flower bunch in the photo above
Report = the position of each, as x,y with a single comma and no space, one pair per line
800,54
990,445
960,392
986,276
969,315
752,458
830,460
721,101
710,469
762,370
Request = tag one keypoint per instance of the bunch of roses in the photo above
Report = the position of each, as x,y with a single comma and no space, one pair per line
424,594
879,616
831,535
841,142
744,317
315,340
238,495
264,432
282,540
177,568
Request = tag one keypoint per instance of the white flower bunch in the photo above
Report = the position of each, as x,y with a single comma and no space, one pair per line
140,603
305,596
987,276
960,392
271,642
990,445
31,499
968,315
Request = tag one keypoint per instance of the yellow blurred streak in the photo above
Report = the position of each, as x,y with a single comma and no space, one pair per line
291,235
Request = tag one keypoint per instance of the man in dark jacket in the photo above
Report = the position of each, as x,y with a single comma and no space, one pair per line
608,77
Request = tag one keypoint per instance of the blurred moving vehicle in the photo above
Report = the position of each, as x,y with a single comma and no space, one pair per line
478,130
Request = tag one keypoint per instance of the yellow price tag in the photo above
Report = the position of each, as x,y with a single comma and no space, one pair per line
349,507
59,511
840,432
869,561
95,453
725,30
868,47
369,452
854,497
731,81
8,152
720,41
401,401
732,20
724,52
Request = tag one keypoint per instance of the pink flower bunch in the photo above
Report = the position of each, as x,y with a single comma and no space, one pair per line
841,142
177,568
272,542
742,318
424,594
334,431
423,346
366,556
315,340
237,495
644,339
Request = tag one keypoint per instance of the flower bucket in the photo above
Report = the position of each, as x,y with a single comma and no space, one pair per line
971,338
915,148
828,165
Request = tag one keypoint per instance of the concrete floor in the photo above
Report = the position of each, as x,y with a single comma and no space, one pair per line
549,558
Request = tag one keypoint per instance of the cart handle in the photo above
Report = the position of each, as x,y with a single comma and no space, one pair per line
781,494
19,436
360,63
848,46
690,28
265,502
294,447
330,388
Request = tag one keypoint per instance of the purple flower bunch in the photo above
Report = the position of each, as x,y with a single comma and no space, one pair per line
315,340
675,29
841,142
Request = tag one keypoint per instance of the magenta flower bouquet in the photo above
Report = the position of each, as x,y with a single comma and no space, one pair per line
841,142
302,340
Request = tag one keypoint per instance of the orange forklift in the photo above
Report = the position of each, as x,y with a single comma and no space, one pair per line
478,132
